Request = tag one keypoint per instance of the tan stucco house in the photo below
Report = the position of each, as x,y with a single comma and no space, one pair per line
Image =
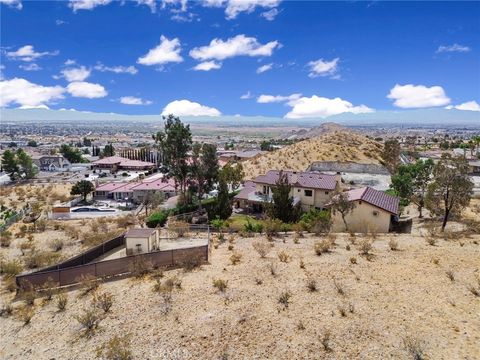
374,211
309,189
139,241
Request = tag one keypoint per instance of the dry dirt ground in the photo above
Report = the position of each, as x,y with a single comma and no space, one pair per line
388,297
333,146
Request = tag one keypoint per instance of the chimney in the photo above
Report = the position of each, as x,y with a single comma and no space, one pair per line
338,178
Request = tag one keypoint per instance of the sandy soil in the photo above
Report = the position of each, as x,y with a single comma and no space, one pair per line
393,295
334,146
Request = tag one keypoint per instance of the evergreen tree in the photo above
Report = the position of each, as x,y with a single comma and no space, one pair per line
223,204
26,164
83,187
391,155
282,201
10,165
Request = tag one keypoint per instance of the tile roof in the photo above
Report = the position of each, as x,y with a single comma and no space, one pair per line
121,161
313,180
128,187
376,198
110,186
158,184
248,188
143,232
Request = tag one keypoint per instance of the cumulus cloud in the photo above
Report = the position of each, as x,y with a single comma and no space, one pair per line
152,4
30,67
116,69
179,5
316,106
76,74
26,94
239,45
418,96
235,7
17,4
270,15
87,4
189,108
86,90
469,106
27,53
453,48
322,67
266,99
264,68
132,100
207,66
167,51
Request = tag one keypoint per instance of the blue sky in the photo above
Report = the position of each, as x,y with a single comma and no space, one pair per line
318,58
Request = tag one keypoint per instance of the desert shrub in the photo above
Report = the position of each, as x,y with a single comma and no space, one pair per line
7,309
273,269
48,288
296,239
87,283
436,261
311,284
25,314
37,259
61,301
300,325
414,347
191,263
235,258
258,281
450,274
157,219
431,240
10,267
302,264
56,244
28,295
322,246
365,246
272,227
283,256
316,221
140,266
325,340
285,227
474,290
353,260
220,284
342,311
117,348
339,287
180,228
41,225
284,298
5,239
103,301
251,227
393,244
231,247
89,319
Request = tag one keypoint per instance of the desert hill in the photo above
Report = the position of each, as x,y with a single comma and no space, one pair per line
315,131
331,146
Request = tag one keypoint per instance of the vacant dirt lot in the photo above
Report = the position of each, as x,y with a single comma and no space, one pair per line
388,297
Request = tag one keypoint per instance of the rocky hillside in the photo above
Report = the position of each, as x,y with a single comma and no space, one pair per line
332,146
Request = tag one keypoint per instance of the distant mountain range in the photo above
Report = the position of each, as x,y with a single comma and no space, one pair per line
420,117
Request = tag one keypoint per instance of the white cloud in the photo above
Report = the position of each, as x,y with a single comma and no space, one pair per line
167,51
469,106
180,4
453,48
86,4
86,90
43,106
189,108
132,100
270,14
76,74
316,106
246,96
418,96
235,7
27,53
152,4
322,67
266,99
264,68
60,22
207,66
25,93
30,67
17,4
2,67
116,69
239,45
69,62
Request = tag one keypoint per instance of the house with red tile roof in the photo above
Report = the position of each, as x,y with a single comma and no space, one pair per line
117,163
135,191
374,211
309,189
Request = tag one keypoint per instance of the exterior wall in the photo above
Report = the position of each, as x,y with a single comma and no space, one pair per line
362,219
131,244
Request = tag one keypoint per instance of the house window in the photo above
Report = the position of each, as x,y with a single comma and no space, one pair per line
375,213
308,193
326,192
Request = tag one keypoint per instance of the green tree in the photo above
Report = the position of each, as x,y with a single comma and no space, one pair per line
32,143
282,207
341,203
233,174
71,154
10,164
26,164
391,155
152,200
176,143
83,187
266,145
411,181
451,190
204,168
108,150
223,208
